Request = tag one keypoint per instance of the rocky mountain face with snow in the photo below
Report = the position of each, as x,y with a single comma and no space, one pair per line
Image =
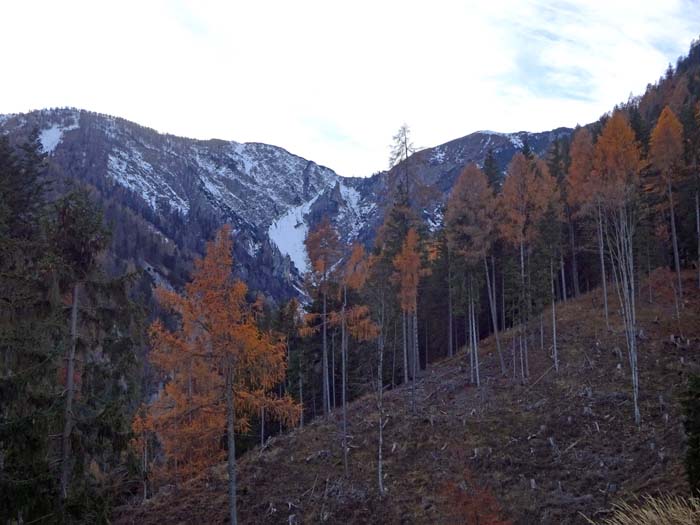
165,195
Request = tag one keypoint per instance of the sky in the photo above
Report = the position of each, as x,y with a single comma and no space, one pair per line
333,81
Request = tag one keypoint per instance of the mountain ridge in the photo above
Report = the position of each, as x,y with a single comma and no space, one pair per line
181,189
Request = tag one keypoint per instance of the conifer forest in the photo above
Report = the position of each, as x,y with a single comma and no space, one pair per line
502,329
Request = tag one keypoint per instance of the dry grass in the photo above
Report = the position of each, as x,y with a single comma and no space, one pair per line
662,510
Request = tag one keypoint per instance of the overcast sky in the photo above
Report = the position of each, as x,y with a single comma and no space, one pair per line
332,81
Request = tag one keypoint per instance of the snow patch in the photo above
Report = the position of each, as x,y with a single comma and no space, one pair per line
50,138
438,156
289,233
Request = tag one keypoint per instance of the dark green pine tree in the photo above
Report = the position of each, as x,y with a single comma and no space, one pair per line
46,249
492,171
526,149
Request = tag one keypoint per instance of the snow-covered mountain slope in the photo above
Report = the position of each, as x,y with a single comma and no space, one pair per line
176,191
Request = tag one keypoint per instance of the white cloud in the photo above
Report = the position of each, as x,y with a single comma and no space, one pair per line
332,81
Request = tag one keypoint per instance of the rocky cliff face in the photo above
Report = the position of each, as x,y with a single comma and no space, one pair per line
165,195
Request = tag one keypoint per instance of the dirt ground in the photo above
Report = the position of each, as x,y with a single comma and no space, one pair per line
552,450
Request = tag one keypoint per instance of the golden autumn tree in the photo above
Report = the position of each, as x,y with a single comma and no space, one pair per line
470,225
354,321
528,192
323,249
615,178
220,367
583,197
666,155
407,274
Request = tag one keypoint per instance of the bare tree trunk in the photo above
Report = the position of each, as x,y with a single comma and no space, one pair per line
602,267
414,360
676,258
620,242
405,347
450,341
574,262
70,386
475,338
697,228
490,289
554,317
416,343
332,372
326,382
563,277
468,340
231,441
380,400
343,360
262,426
301,391
393,357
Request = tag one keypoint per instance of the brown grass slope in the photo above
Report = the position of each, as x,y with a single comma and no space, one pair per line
550,451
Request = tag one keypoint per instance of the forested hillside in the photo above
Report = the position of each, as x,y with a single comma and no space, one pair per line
471,337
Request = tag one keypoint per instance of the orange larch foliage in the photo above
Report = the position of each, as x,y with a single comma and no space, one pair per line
323,249
666,145
470,215
616,162
216,333
528,191
579,193
407,265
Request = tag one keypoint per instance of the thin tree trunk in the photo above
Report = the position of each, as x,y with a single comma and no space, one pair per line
405,347
676,258
651,296
416,342
468,340
393,357
563,277
326,381
450,341
343,359
301,392
574,262
231,441
554,317
697,228
380,400
262,426
332,372
602,267
490,288
620,242
70,385
475,338
414,364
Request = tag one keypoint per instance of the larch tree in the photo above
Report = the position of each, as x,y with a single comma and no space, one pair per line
220,366
354,321
615,176
470,223
666,155
323,249
583,199
408,268
527,193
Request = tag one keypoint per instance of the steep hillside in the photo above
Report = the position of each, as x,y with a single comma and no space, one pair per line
165,195
549,451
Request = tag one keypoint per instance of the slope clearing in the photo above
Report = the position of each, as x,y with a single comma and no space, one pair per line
561,446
